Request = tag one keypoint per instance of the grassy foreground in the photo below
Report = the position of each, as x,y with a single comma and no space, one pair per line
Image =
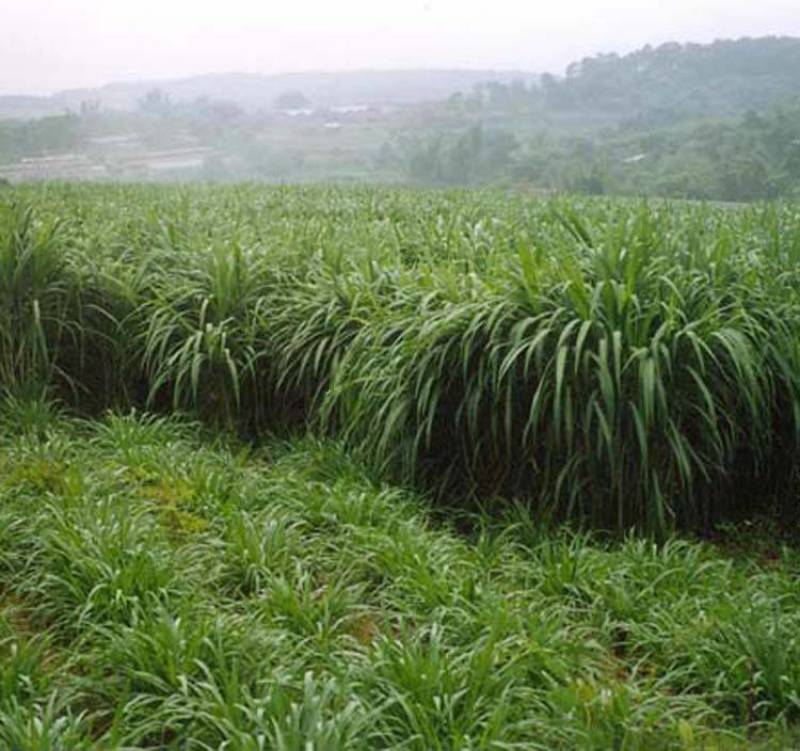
162,589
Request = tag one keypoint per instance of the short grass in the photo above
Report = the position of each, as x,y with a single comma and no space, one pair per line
165,588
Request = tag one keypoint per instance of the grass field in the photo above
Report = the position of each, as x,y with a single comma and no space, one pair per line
322,468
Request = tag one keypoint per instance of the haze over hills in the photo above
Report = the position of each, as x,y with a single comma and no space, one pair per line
253,92
716,121
670,81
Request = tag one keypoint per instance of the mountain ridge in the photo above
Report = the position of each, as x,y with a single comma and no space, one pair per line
254,91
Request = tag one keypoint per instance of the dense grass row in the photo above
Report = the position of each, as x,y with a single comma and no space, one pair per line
163,590
613,363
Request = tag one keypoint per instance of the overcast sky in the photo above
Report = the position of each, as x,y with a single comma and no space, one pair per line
46,45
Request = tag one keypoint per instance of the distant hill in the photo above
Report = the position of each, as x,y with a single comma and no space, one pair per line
679,81
254,91
670,82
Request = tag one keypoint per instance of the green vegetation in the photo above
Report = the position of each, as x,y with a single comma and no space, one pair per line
163,588
718,121
56,133
321,468
674,82
609,363
283,468
748,158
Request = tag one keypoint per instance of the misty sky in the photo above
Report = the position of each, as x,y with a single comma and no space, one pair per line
46,45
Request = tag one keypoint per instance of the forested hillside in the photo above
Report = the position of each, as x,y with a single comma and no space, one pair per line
719,121
679,81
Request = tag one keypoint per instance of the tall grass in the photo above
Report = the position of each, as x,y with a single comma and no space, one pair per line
35,296
612,363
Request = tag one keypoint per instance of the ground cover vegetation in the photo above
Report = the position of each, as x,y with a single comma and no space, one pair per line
165,587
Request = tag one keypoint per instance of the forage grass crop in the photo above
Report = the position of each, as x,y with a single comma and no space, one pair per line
35,292
611,363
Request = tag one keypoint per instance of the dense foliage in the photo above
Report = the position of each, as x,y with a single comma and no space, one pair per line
612,363
752,157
